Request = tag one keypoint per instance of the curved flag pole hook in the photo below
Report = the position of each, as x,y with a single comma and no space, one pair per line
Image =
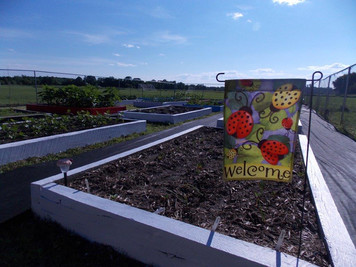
217,77
307,155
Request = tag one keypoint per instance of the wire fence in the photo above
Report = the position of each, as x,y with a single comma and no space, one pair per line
20,87
334,99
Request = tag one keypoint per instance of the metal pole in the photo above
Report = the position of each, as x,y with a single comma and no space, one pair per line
345,95
326,110
34,74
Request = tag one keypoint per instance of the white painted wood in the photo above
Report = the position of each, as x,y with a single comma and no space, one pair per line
220,123
146,236
340,245
143,235
42,146
167,118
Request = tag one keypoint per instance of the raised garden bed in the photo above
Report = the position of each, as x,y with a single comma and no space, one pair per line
147,104
42,146
74,110
177,175
167,114
214,108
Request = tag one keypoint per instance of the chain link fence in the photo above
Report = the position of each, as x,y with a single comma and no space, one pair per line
21,87
334,98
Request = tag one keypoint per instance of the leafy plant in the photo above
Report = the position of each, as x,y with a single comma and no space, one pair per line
49,125
83,96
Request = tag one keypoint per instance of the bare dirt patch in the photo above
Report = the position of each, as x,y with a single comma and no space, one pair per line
185,177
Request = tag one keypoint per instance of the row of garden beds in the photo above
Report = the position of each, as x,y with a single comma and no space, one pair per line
28,138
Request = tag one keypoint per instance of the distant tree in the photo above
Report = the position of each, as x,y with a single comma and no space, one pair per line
340,84
48,80
90,80
79,81
109,82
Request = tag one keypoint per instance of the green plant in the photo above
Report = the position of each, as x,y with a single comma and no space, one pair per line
74,96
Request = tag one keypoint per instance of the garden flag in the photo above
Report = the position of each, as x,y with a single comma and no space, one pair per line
261,124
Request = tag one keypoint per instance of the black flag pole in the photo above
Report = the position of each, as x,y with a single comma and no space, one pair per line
313,80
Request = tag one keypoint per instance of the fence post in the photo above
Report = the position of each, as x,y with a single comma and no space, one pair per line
345,95
34,75
326,111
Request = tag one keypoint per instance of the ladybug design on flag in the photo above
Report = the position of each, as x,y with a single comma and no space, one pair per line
273,150
284,97
240,123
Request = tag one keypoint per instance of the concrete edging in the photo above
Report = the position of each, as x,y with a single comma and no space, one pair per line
143,235
167,118
42,146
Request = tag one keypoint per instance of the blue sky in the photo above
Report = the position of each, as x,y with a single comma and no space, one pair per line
183,40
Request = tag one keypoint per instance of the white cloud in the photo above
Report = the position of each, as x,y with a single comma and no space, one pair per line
169,37
117,55
162,55
121,64
249,21
235,16
91,38
128,45
11,33
334,67
131,46
268,73
288,2
208,78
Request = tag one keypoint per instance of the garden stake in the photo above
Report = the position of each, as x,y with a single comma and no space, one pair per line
213,228
87,185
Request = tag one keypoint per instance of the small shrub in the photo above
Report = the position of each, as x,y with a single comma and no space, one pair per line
74,96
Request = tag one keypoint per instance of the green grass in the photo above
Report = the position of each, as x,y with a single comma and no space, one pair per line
4,112
11,95
206,94
331,110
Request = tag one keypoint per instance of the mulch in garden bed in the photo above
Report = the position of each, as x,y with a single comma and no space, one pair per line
185,177
167,110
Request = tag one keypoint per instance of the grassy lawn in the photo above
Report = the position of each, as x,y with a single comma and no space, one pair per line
11,95
206,94
331,109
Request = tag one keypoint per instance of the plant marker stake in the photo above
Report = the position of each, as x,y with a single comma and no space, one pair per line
87,185
160,210
278,246
280,240
213,228
64,165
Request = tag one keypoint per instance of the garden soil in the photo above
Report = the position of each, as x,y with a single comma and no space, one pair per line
184,176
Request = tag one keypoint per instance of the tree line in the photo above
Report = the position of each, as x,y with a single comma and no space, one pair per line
127,82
